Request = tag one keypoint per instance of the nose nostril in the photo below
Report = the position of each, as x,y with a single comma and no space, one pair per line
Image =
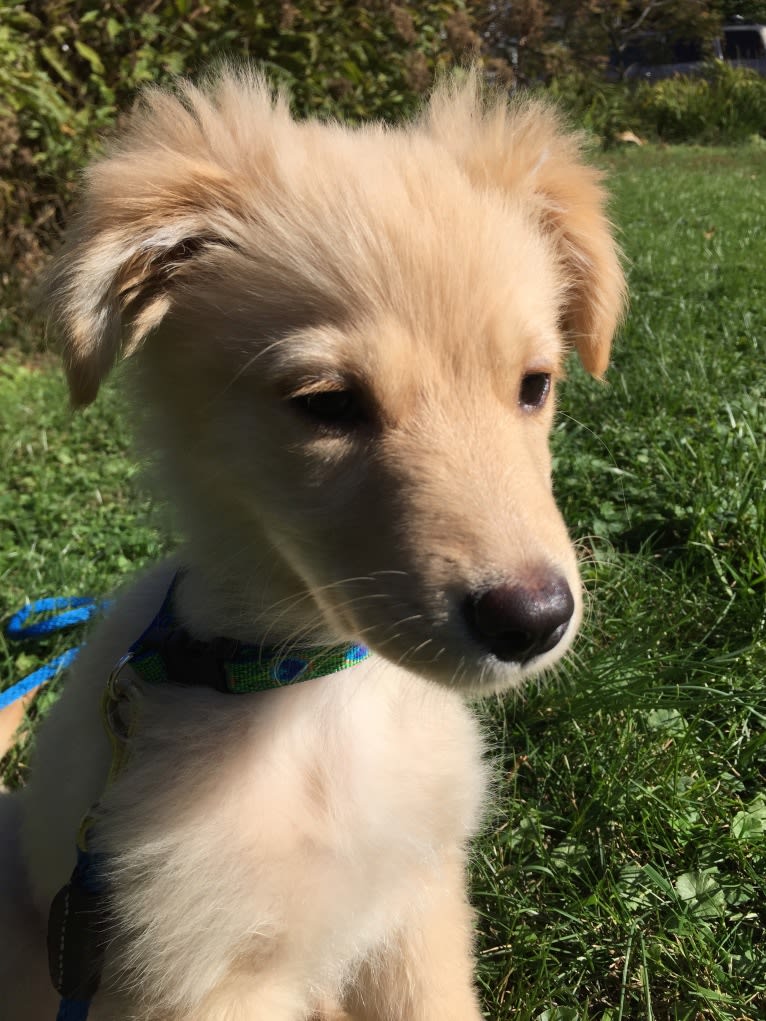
518,622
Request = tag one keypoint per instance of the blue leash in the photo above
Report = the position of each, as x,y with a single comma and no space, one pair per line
74,610
77,610
67,612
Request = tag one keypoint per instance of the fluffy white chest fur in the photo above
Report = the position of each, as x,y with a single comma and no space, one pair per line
290,833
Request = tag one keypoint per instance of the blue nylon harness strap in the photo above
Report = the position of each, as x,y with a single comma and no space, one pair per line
77,934
73,1010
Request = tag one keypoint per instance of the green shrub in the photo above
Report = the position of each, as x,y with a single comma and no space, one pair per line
68,66
599,106
726,105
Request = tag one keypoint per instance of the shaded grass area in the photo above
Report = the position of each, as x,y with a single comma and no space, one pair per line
73,518
621,875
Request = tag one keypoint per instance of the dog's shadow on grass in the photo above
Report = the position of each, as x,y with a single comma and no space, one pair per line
663,538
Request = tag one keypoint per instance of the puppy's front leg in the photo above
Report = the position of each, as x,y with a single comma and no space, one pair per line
241,996
250,998
426,972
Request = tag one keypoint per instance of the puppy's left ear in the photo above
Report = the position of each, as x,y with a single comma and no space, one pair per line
158,201
111,288
525,151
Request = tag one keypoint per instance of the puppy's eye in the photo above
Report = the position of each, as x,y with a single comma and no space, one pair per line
331,407
534,390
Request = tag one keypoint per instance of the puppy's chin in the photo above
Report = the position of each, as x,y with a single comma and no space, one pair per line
496,677
468,669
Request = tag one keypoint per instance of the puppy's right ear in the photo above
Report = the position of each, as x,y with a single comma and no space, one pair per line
525,151
154,203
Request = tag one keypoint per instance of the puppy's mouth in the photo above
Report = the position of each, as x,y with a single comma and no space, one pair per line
486,639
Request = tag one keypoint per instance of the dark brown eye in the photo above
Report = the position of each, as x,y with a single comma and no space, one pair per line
331,407
535,387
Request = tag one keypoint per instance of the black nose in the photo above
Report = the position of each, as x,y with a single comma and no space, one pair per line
518,622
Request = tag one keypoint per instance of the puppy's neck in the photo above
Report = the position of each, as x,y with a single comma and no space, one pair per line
263,603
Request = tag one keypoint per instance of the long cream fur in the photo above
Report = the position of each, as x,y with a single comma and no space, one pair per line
303,851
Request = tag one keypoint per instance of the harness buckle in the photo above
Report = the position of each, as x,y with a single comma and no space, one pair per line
118,691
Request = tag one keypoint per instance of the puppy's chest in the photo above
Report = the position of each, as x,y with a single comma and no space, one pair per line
331,767
375,794
327,816
394,767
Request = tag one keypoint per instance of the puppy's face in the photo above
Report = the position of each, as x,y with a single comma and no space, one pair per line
350,344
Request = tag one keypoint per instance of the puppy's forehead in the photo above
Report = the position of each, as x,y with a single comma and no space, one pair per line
416,261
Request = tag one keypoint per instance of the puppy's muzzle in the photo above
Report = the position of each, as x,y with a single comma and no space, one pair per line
518,622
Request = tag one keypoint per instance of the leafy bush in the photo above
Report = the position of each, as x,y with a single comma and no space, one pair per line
600,107
726,105
68,66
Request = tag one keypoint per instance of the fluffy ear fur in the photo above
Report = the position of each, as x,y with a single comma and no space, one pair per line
524,150
162,195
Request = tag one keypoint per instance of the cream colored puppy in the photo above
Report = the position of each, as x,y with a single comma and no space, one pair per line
345,348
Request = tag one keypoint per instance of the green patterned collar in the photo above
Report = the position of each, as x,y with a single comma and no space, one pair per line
167,653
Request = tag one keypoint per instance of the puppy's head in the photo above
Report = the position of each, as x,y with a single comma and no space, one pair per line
349,341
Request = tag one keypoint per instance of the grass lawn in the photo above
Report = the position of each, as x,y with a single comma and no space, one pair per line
622,874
